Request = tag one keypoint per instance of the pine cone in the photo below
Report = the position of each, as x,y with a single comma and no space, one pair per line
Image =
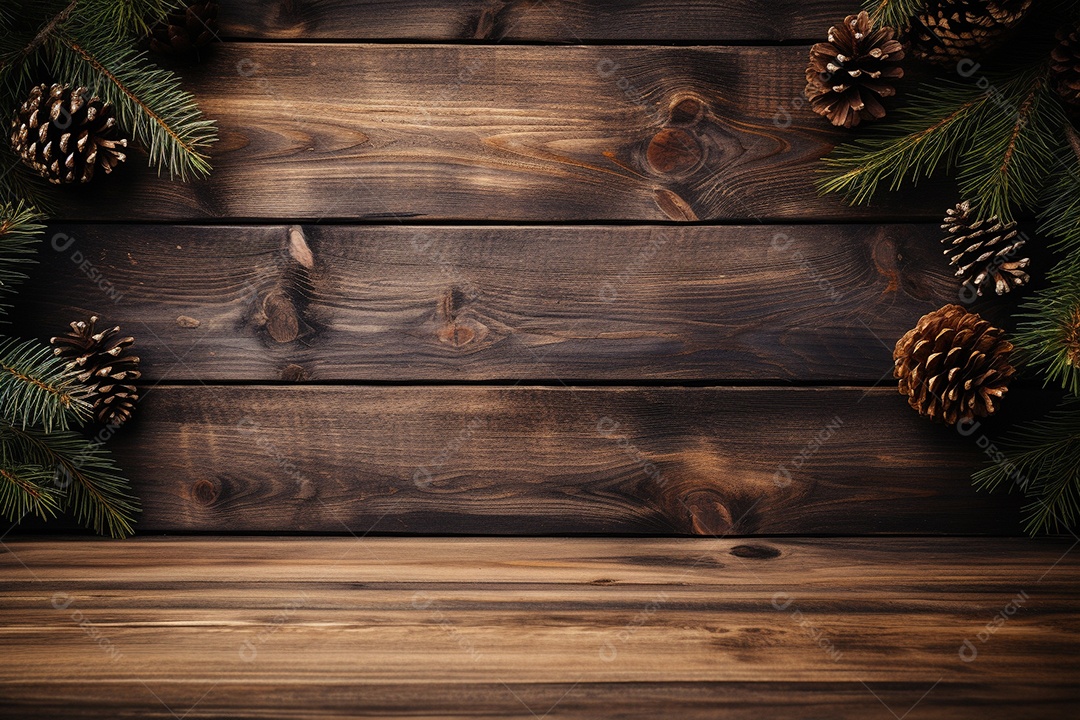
101,362
848,74
953,364
1065,70
946,31
63,135
185,30
982,250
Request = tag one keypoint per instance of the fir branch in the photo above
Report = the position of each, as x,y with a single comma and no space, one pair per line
1048,334
26,489
1043,460
20,232
149,102
1060,217
37,389
1001,139
894,13
96,493
122,18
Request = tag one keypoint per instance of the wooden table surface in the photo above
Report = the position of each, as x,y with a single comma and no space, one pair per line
510,365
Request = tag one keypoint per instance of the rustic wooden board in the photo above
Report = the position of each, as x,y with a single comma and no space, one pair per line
517,20
520,133
807,303
279,627
520,460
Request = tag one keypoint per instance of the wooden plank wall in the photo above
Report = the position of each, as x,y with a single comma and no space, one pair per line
527,268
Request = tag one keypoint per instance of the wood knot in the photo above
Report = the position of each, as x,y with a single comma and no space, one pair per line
294,373
674,151
708,514
204,492
687,110
282,320
755,552
453,329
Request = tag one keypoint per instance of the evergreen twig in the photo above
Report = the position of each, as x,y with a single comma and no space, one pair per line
1042,460
20,232
37,389
894,13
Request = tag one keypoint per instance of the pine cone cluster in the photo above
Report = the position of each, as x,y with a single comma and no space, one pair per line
102,362
953,365
982,251
848,74
185,30
1065,70
946,31
64,136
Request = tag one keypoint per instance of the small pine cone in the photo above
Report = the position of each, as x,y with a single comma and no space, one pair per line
1065,70
946,31
63,135
185,30
848,74
101,361
953,364
982,251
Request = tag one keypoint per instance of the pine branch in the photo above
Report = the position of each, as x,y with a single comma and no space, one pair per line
20,232
1043,460
1001,140
123,19
1048,334
894,13
149,102
26,489
1060,217
36,389
96,493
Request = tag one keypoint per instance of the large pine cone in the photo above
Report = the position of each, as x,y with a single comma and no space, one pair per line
64,136
101,362
982,251
848,74
953,364
185,30
1065,70
946,31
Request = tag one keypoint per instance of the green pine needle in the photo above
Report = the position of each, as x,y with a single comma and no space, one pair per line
36,389
149,102
26,489
894,13
20,232
95,492
1042,460
1001,141
1048,335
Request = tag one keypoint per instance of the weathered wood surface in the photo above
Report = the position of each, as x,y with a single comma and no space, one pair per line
807,303
516,133
582,628
574,21
520,460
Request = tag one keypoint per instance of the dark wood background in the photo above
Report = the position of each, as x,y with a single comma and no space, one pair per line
534,270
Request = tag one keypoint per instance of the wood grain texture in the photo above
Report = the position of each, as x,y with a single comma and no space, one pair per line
475,132
574,21
520,460
806,303
422,627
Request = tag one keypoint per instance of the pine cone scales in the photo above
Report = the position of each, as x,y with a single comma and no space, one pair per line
101,362
953,365
1065,70
946,31
186,29
848,74
983,250
64,136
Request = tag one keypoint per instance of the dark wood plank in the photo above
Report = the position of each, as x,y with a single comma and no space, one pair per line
421,627
441,132
574,21
519,460
809,303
